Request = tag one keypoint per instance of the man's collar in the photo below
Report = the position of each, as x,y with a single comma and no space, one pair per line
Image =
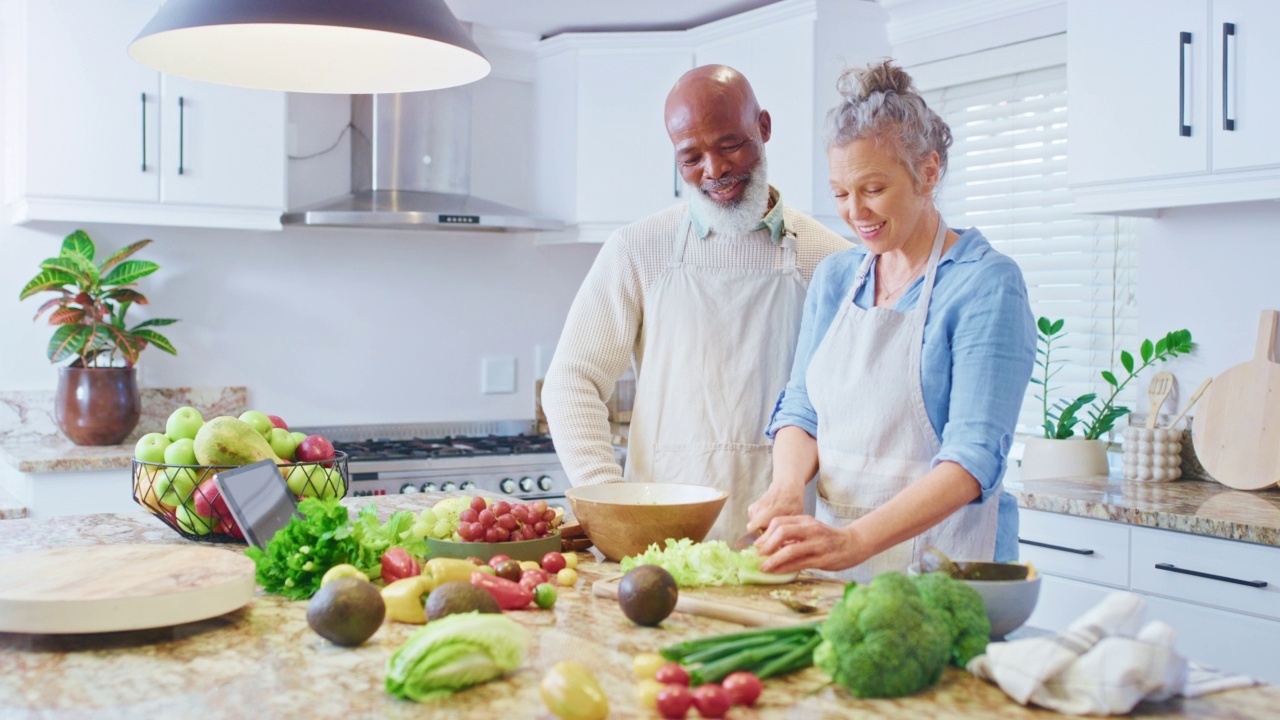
773,220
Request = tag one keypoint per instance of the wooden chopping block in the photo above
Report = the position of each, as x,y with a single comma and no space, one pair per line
1236,432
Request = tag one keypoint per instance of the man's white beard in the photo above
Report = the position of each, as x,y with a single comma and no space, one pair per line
740,215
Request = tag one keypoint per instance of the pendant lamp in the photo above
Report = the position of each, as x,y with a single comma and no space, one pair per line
318,46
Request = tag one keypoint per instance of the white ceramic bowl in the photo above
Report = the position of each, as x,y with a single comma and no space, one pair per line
1008,602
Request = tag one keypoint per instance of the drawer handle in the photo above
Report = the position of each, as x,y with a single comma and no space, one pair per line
1223,578
1076,551
1228,31
1184,40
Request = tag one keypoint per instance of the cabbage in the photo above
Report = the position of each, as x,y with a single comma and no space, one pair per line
454,653
709,563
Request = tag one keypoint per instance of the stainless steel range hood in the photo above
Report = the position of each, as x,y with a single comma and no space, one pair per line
410,169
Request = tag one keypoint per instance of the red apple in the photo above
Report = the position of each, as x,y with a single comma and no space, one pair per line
277,421
314,449
209,502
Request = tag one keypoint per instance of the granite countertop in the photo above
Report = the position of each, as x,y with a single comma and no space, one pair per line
263,660
62,455
1193,506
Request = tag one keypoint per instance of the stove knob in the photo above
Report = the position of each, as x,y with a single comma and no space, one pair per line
468,485
544,483
526,484
428,487
507,485
408,489
449,486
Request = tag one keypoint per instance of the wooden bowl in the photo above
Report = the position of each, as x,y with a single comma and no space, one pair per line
624,519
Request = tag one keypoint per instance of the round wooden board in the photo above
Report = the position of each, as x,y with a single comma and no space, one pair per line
109,588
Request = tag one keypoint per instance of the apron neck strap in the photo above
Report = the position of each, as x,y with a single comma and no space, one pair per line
931,271
788,246
682,237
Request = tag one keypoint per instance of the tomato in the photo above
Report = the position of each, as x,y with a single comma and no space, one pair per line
529,565
673,701
509,570
571,560
711,700
533,578
545,596
553,562
743,688
397,564
342,571
647,693
510,595
645,665
567,577
497,560
672,674
571,692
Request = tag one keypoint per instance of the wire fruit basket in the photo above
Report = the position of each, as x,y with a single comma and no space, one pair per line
185,498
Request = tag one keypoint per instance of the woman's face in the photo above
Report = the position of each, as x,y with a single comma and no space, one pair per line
876,195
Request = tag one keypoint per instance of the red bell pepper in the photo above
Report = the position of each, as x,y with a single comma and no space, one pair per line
510,595
398,564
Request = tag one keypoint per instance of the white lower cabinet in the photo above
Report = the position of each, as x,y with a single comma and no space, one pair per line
1221,596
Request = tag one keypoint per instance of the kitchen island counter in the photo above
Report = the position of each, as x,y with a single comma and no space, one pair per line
264,661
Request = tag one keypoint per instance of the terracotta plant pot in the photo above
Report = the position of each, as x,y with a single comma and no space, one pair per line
97,406
1044,459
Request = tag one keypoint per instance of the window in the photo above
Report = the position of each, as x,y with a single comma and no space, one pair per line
1007,176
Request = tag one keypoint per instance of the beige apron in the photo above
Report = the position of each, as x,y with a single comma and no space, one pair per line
874,434
718,346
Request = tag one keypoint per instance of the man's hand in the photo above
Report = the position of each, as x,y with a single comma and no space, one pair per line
799,542
780,500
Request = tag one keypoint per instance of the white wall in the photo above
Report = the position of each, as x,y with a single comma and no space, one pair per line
1210,270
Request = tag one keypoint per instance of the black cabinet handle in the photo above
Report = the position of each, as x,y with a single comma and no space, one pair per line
1184,39
1228,30
182,135
144,132
1223,578
1076,551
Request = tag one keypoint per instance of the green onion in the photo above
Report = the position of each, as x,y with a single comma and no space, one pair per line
684,649
798,659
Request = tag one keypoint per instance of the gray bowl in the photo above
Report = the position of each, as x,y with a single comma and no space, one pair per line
1008,602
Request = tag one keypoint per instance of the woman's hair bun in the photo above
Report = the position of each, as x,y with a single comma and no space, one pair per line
857,84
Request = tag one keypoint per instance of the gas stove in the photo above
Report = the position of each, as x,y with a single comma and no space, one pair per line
503,457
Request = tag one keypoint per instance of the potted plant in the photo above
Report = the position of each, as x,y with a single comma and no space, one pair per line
97,401
1060,453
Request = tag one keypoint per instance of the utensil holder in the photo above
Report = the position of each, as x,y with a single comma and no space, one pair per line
1153,455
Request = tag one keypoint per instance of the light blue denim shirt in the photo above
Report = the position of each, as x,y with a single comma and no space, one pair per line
979,350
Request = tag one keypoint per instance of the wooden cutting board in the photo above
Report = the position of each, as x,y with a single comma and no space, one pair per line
108,588
1236,432
749,605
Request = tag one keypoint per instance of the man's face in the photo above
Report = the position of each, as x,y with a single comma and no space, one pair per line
718,146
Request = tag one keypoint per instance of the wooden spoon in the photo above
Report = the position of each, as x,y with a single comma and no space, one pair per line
1191,403
1158,392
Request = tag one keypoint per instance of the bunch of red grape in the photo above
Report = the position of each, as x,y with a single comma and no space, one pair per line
503,521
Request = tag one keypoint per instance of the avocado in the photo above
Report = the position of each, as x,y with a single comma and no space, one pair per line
456,597
647,595
346,612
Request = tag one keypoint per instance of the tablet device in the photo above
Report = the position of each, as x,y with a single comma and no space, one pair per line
258,499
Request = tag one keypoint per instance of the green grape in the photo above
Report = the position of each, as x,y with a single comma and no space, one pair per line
443,529
427,517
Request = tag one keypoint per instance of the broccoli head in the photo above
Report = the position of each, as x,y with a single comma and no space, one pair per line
962,608
881,640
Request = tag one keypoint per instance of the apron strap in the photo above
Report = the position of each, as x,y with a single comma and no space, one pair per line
682,237
789,252
931,273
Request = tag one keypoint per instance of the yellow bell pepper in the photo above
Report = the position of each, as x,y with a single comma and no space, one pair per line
405,598
344,570
571,692
442,570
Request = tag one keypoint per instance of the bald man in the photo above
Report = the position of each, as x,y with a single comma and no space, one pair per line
705,298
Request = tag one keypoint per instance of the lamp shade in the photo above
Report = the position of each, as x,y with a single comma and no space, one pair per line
320,46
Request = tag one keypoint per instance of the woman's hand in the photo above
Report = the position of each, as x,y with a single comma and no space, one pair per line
780,500
800,542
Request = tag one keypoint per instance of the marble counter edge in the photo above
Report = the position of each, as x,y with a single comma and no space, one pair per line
44,458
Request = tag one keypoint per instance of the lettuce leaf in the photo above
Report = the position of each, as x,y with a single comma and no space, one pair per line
454,653
708,563
377,537
301,552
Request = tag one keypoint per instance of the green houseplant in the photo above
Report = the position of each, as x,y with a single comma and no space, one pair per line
1048,457
97,399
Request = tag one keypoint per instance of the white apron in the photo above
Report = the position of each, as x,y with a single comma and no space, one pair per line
874,434
718,347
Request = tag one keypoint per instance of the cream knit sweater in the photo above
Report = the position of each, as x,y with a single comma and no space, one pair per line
603,330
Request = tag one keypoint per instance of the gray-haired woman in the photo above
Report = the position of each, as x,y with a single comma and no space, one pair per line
915,351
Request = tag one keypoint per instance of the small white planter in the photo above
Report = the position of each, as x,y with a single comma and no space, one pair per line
1044,459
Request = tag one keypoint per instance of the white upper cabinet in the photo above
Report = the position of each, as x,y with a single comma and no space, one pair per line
91,135
1148,126
604,158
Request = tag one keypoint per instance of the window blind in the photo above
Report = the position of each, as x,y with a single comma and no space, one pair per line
1007,176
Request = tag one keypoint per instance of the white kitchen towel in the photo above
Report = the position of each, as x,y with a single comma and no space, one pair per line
1104,664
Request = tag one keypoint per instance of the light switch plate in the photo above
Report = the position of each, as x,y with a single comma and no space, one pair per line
498,375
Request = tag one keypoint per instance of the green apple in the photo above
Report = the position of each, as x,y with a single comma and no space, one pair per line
258,421
151,447
298,437
185,422
304,478
190,522
335,486
175,486
181,452
282,443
